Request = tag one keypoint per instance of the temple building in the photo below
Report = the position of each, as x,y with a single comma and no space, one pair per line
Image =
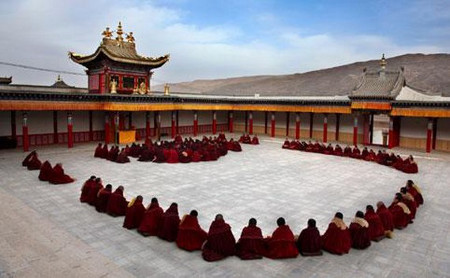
119,106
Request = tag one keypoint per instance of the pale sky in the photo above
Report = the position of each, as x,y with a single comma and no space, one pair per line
210,39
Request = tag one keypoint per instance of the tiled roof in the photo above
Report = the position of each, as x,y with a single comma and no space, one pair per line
382,83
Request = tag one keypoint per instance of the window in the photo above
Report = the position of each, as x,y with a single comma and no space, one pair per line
128,82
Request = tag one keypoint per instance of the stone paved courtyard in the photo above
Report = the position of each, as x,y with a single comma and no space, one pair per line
46,232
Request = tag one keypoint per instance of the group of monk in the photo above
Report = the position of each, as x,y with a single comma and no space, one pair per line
176,151
246,139
407,165
219,242
54,175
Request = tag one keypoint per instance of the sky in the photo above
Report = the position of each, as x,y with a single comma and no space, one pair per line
209,39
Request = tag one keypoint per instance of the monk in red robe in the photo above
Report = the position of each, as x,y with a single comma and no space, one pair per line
134,214
281,244
338,150
376,228
364,153
409,200
34,163
102,198
220,242
122,157
286,144
58,176
28,158
93,191
170,221
152,219
359,231
46,171
117,204
104,153
251,244
356,153
410,166
309,242
98,151
190,235
371,156
328,150
415,192
255,140
347,151
86,188
337,239
173,156
400,212
386,218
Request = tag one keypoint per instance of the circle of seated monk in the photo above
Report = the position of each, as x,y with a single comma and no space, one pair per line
250,245
337,239
309,242
282,242
359,231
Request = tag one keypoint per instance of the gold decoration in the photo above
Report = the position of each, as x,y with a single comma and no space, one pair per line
142,88
107,33
130,37
383,62
119,32
166,89
113,86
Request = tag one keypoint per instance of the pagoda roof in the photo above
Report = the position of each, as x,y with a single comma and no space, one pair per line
379,84
120,51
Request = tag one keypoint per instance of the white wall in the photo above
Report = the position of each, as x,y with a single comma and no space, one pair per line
413,127
39,122
204,117
98,120
186,117
222,117
5,123
80,120
443,129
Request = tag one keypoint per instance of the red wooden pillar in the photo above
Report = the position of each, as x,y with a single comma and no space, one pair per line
325,128
272,125
173,125
355,130
429,133
13,125
338,120
250,122
91,130
195,123
55,127
69,130
433,144
230,121
246,122
107,129
311,124
391,133
265,122
287,123
214,122
26,140
366,129
147,126
297,125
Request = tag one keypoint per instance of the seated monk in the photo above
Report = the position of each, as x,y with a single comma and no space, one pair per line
102,198
152,219
390,160
356,153
398,164
93,191
169,223
255,140
117,204
85,189
286,144
359,231
122,157
376,228
28,158
236,147
58,176
408,199
282,242
173,156
196,156
329,149
338,150
309,242
251,244
364,153
134,214
242,138
415,192
46,171
190,235
337,239
347,151
386,218
98,151
294,145
34,163
247,139
104,153
147,154
371,156
184,157
410,166
220,242
400,212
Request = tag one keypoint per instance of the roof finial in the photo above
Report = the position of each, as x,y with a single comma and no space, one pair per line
107,33
59,78
130,37
119,32
383,62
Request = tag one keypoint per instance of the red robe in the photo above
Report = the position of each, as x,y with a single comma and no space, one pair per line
169,224
102,200
190,235
28,158
172,157
255,141
104,153
58,176
220,242
411,205
134,215
417,195
34,163
46,171
386,218
93,193
85,190
359,231
151,220
251,244
117,204
409,168
282,244
337,240
122,157
309,242
376,228
400,218
98,151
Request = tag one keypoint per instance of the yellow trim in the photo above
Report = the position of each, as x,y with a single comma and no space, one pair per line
371,105
418,112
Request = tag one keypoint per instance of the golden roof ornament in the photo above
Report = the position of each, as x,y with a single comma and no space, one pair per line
166,89
383,62
130,37
107,34
119,32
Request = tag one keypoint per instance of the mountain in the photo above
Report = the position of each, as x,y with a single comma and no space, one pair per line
428,73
